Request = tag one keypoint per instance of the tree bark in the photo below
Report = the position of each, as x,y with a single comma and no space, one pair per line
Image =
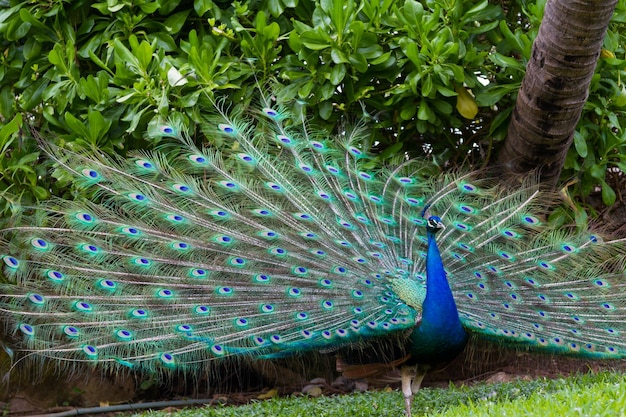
555,87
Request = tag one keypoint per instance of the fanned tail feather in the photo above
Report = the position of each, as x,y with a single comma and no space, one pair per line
273,240
215,253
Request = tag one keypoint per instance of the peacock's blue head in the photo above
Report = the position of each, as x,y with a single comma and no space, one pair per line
434,224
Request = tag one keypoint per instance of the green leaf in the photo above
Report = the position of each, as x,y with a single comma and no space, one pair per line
410,49
202,6
476,9
620,97
357,29
174,23
506,62
8,130
44,30
305,89
338,56
150,7
96,88
39,192
359,62
16,29
408,112
7,101
271,33
100,63
28,159
581,217
175,78
127,57
76,126
386,57
316,39
275,7
425,113
442,107
598,171
337,73
327,5
412,11
32,48
167,6
32,95
608,194
494,93
500,123
514,41
487,27
98,125
56,58
444,91
580,144
325,109
143,51
294,41
427,85
8,13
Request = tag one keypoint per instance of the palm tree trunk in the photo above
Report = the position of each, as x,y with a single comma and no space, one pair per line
555,86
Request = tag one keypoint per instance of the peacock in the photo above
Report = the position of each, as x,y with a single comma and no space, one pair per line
272,239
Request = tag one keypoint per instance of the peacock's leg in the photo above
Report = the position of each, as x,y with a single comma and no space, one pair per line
417,380
412,377
407,373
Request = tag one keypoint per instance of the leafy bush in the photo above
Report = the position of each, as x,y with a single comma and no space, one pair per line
433,77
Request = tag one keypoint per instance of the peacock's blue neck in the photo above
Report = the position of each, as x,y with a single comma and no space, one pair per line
439,336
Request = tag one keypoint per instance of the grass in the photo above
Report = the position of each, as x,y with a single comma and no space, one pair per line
602,394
